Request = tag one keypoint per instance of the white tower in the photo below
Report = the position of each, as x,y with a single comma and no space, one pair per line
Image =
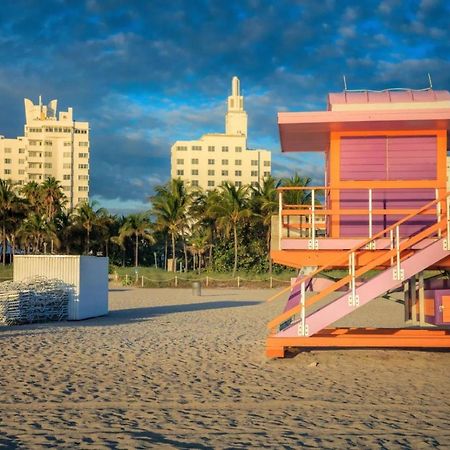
236,117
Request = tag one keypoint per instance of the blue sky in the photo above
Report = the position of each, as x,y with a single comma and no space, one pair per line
146,73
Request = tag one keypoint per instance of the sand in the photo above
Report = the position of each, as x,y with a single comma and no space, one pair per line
169,370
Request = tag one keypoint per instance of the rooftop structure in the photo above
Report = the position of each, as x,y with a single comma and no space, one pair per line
52,146
219,157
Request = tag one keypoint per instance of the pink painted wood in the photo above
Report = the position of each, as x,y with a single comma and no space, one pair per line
371,289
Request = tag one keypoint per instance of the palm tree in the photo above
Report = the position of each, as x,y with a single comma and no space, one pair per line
170,206
33,194
265,205
53,197
88,217
37,230
9,208
231,207
139,226
297,197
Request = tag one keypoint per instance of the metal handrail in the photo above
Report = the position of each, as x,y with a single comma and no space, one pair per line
399,247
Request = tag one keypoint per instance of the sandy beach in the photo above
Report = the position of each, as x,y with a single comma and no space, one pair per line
169,370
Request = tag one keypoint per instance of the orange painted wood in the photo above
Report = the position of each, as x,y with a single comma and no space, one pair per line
366,338
445,305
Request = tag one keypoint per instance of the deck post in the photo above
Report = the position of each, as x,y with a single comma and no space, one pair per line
406,301
413,299
421,300
280,218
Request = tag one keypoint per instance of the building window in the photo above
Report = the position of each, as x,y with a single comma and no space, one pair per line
224,173
34,154
47,165
225,148
238,149
7,171
238,162
197,148
66,177
238,173
211,172
66,188
83,188
48,154
194,172
21,161
224,162
67,166
211,162
181,148
267,163
254,183
180,161
21,172
7,150
194,161
254,162
210,182
7,161
21,150
211,148
83,144
66,154
267,174
82,177
48,143
67,144
180,172
83,166
238,183
254,173
83,155
195,183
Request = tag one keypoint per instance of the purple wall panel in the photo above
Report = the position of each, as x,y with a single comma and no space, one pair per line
386,158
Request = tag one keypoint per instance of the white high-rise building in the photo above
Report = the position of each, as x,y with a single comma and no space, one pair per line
52,146
219,157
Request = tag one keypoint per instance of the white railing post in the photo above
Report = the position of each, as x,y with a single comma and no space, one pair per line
303,327
398,271
353,299
280,218
371,243
391,238
438,212
142,281
313,243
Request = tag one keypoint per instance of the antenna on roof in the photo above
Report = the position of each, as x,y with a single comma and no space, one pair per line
345,83
429,80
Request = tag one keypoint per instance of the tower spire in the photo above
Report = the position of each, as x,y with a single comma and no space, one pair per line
236,118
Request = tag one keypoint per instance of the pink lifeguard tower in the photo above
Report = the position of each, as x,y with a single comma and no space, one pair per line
383,216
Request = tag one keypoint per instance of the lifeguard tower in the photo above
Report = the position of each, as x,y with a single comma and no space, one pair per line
383,216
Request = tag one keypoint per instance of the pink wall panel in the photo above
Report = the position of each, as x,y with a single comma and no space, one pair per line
386,158
363,158
411,158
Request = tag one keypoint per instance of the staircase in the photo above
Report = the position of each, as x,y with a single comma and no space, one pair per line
302,326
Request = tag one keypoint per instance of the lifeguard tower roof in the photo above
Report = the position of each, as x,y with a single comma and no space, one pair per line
395,109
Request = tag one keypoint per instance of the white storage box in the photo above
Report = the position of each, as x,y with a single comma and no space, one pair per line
87,274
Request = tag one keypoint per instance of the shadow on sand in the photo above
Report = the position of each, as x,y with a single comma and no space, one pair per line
124,316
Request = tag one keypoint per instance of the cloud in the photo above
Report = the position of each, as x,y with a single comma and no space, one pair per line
145,75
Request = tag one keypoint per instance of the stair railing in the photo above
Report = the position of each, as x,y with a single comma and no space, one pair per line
397,247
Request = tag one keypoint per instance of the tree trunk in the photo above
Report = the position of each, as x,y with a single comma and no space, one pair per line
88,241
185,256
4,245
235,250
165,252
269,232
136,250
174,260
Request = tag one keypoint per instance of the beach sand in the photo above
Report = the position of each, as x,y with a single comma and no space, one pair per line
169,370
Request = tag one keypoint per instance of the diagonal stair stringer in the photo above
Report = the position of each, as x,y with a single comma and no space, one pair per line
371,289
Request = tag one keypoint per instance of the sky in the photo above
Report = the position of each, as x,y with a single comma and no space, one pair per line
147,73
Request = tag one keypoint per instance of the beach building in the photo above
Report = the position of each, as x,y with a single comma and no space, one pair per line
219,157
386,206
52,146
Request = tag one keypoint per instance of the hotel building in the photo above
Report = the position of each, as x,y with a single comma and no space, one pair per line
52,146
219,157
